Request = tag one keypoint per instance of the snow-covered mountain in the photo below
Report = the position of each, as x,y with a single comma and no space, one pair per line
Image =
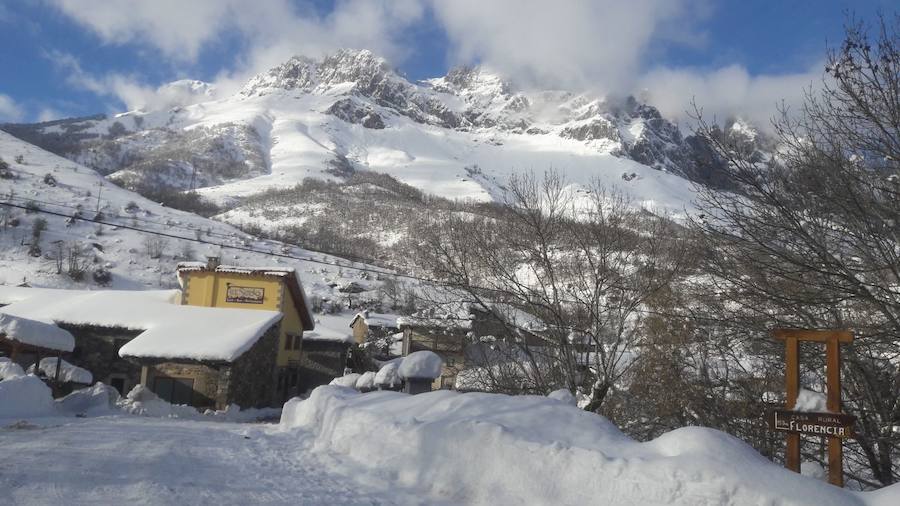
40,248
458,136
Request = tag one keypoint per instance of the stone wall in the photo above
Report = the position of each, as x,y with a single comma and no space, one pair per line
97,350
321,362
250,380
206,380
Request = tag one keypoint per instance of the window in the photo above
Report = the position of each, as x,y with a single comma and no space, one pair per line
174,390
296,342
287,341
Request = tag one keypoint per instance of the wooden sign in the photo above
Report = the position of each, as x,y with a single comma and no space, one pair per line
244,294
832,340
819,424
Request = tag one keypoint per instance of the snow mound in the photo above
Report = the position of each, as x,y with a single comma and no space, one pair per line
96,400
234,413
25,396
563,395
480,448
142,401
10,369
810,401
388,375
421,364
35,333
68,373
347,380
366,381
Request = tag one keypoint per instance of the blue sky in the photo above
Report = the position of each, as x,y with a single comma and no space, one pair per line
77,57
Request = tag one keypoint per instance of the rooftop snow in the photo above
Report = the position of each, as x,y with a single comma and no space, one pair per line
34,333
170,330
329,328
377,319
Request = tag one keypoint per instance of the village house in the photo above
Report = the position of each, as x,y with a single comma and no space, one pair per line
379,333
266,289
232,335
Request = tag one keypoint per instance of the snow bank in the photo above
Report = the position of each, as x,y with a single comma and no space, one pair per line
142,401
347,380
68,373
10,369
563,395
25,396
495,449
421,364
35,333
99,399
234,413
388,375
366,381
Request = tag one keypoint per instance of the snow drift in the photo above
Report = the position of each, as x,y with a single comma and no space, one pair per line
495,449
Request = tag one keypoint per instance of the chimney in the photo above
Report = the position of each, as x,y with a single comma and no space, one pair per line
212,263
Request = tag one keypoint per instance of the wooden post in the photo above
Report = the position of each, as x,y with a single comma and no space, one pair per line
792,389
833,404
832,340
58,366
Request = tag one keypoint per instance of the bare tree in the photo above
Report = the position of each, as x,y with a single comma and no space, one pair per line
813,240
581,266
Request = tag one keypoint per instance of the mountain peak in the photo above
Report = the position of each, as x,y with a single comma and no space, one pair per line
359,66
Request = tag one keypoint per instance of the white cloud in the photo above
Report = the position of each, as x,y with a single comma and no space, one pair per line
49,114
9,110
599,44
725,92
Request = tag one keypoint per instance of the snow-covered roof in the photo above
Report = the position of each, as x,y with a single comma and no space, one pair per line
329,328
421,364
377,319
449,315
168,329
292,280
41,334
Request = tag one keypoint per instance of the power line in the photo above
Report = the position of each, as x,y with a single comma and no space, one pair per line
226,246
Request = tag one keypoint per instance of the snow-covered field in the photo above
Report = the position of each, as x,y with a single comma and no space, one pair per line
342,447
165,461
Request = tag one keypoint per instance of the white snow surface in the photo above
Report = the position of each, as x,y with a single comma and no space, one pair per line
366,381
35,333
10,369
563,395
810,401
421,364
170,330
495,449
347,380
389,374
25,396
68,373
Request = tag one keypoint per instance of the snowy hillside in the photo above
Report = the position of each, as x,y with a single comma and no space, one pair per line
38,180
457,136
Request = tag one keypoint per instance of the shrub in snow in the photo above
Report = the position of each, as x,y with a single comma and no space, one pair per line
366,382
68,373
347,380
563,395
389,375
480,448
23,396
96,400
10,369
421,365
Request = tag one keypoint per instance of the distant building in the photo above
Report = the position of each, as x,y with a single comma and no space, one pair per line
462,334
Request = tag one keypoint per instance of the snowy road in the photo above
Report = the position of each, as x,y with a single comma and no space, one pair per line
136,460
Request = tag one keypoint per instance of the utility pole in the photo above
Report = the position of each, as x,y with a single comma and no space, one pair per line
99,191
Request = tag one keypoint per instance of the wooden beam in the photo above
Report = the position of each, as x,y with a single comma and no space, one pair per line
792,390
833,404
822,336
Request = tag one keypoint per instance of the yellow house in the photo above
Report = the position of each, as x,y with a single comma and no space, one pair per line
274,289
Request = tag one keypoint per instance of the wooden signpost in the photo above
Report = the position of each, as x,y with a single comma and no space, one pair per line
832,424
